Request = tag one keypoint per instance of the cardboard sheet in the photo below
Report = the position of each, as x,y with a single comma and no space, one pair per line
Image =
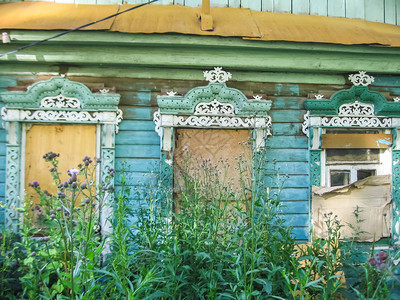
373,197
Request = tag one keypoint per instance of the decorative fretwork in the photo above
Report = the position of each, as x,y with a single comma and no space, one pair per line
319,96
396,195
217,75
166,173
157,122
306,124
315,167
12,187
361,79
214,108
356,122
356,109
60,101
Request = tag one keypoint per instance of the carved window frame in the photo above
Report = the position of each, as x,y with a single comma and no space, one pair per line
357,107
54,101
205,107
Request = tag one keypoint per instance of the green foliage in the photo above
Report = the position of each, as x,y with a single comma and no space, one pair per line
216,238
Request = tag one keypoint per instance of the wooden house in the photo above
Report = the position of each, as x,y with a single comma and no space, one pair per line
320,79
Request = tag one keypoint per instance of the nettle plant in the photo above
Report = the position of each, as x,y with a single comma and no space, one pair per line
64,246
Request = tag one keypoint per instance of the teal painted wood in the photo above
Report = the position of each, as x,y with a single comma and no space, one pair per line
298,220
397,13
319,7
292,168
289,181
234,3
287,115
355,9
293,207
336,8
396,195
298,155
286,90
145,165
315,167
283,6
374,10
389,81
301,233
267,5
137,125
253,5
287,102
137,151
390,11
287,142
138,179
193,3
286,128
301,7
137,113
137,138
293,194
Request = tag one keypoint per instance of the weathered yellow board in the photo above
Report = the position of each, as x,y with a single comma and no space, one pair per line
72,142
353,141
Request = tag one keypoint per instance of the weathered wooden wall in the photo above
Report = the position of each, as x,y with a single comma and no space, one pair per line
384,11
138,145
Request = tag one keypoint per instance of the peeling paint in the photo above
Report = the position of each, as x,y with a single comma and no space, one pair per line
385,141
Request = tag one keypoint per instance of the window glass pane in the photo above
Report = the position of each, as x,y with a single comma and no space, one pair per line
361,174
340,177
371,155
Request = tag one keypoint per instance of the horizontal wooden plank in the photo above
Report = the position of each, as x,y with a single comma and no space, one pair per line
300,220
2,174
293,194
300,155
289,181
138,178
293,207
2,151
6,81
138,98
287,142
137,138
3,136
137,113
137,151
287,115
145,125
137,164
286,129
292,168
352,141
301,233
2,188
287,103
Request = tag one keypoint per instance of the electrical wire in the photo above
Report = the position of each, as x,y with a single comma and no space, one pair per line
75,29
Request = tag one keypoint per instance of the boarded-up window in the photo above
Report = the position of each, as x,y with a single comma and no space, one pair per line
72,142
221,148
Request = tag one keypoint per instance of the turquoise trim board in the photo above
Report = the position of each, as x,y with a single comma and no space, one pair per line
57,100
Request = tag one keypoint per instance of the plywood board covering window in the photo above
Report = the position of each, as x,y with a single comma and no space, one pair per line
213,147
72,142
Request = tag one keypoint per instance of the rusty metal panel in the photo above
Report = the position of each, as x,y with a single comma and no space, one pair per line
181,19
50,16
372,141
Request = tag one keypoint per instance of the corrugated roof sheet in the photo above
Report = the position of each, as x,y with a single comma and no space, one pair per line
228,22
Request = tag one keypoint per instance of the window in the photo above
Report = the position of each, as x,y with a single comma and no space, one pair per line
48,105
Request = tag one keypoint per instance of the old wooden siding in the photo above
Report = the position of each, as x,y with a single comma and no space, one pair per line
384,11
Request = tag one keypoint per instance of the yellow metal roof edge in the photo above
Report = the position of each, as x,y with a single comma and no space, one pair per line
227,22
